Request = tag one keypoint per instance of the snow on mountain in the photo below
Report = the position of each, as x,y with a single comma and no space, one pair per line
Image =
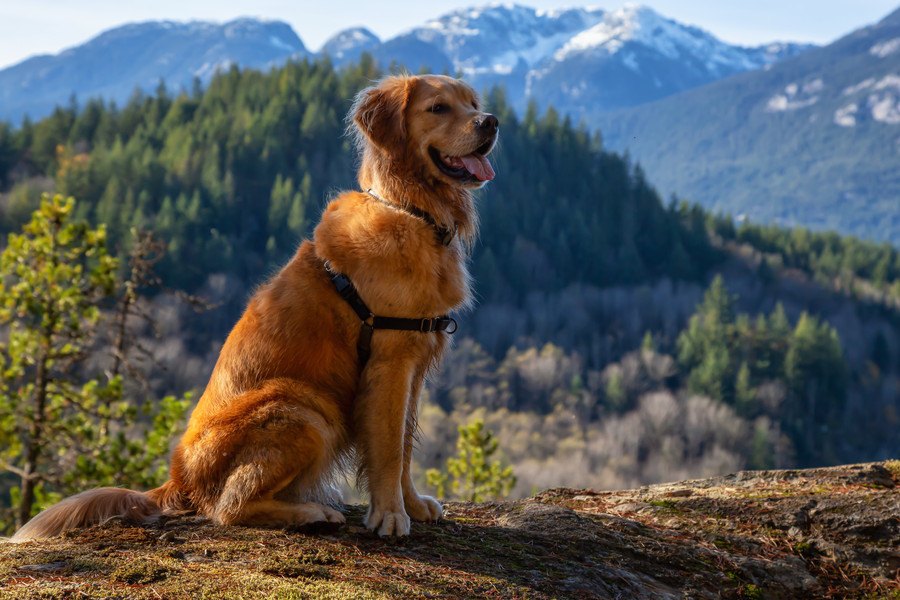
571,58
495,38
140,55
641,25
348,45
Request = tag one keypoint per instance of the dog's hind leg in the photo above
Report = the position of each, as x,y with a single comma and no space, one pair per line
281,434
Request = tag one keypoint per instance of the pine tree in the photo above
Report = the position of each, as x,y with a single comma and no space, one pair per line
815,372
473,474
63,428
706,349
55,274
744,394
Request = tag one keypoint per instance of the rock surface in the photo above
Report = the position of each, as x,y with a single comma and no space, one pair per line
819,533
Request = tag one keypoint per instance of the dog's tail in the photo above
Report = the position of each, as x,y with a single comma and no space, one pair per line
97,506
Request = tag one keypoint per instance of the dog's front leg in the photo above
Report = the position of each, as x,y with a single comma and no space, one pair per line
381,427
418,507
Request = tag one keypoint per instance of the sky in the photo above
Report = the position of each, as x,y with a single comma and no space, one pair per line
29,27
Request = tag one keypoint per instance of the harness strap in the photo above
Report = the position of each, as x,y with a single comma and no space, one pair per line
370,321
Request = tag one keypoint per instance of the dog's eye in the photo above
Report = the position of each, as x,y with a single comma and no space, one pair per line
439,108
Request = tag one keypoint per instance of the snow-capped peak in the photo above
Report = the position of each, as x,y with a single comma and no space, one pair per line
637,24
497,38
631,22
349,40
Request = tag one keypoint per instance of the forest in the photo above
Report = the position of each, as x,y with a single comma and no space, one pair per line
618,339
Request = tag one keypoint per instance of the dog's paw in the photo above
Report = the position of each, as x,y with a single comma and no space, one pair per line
423,508
315,518
333,516
388,523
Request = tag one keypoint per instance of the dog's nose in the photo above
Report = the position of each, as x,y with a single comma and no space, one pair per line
488,122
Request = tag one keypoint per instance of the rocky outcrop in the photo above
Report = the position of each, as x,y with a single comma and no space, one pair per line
820,533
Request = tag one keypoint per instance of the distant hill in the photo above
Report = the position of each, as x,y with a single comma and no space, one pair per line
141,55
814,140
572,58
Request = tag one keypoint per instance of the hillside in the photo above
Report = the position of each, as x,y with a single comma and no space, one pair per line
824,533
809,141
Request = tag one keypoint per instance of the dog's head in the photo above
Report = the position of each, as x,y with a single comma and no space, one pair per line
429,122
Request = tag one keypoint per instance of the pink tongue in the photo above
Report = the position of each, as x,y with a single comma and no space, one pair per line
479,166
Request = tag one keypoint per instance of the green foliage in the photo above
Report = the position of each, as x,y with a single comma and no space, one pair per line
473,474
816,375
705,347
834,260
615,391
136,451
62,428
55,274
726,356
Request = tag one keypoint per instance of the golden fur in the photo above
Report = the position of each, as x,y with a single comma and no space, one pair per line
286,401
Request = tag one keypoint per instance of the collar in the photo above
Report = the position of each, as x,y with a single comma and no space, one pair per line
443,234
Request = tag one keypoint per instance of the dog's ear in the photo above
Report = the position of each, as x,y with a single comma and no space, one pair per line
379,112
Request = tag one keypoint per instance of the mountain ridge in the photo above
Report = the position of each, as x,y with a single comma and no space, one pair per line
497,44
815,136
145,54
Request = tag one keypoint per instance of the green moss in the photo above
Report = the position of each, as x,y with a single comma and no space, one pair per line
142,571
666,504
803,548
753,592
722,543
292,567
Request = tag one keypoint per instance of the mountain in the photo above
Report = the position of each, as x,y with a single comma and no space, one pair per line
347,46
634,55
571,58
814,140
139,55
575,58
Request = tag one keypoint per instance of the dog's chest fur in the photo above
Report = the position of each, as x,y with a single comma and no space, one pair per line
393,258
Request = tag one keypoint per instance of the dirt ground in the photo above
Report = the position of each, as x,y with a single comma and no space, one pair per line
820,533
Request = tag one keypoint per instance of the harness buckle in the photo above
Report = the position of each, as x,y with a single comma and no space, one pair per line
452,323
427,325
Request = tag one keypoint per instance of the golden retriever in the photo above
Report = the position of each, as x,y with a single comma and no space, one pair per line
287,403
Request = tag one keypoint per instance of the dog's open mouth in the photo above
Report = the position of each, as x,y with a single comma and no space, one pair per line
471,167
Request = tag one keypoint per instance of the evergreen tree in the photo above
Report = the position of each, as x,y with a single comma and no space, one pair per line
473,474
705,348
55,274
62,428
816,375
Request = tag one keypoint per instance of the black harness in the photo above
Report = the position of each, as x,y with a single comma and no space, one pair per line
369,320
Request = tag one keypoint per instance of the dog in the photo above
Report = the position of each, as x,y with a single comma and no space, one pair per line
307,380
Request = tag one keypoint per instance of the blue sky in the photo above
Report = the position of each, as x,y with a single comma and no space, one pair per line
29,27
